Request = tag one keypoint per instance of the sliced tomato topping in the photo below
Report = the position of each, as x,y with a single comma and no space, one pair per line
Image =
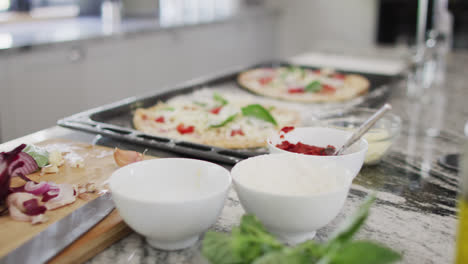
160,119
144,117
296,90
339,76
287,129
317,71
216,110
182,129
327,89
265,80
237,132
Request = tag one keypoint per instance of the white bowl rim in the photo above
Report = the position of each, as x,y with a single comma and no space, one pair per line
197,199
289,196
362,140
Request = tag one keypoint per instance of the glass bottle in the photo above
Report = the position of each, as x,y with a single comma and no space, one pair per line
462,237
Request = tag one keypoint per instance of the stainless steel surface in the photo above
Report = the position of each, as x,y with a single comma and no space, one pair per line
421,26
115,120
59,235
364,128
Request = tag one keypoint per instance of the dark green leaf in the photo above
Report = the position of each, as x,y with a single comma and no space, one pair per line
311,248
314,87
250,224
217,97
227,120
281,257
364,252
259,112
251,240
217,248
346,232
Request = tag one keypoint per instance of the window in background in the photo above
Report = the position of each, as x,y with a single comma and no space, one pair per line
179,12
42,8
4,5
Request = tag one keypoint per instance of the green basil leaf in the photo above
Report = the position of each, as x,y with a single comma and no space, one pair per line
346,232
259,112
281,257
314,87
220,99
365,252
227,120
217,248
199,104
40,155
168,108
251,240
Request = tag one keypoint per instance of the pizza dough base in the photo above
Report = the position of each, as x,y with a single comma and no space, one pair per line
353,86
208,138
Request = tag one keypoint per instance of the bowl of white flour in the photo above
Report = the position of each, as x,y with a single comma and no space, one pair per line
291,195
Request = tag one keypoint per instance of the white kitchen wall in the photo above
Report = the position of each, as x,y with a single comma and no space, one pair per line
305,25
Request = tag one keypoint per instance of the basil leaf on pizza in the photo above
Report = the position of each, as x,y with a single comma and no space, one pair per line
313,87
220,99
227,120
259,112
227,126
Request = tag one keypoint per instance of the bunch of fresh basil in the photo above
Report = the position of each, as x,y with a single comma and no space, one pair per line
251,243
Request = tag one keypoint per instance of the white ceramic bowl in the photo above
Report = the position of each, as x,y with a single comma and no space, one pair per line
352,159
170,201
292,218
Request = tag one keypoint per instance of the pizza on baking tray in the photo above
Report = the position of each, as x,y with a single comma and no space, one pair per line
218,120
303,85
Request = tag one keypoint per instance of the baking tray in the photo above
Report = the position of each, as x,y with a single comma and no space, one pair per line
115,120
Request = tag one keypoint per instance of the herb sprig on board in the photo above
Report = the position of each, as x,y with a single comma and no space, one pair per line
250,242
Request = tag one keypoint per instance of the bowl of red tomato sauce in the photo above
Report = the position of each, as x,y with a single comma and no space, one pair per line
320,143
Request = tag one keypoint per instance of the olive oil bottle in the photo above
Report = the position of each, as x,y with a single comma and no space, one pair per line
462,238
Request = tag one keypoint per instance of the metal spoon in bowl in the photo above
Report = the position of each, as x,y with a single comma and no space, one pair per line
363,128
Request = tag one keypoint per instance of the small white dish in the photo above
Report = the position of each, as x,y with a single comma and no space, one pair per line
291,217
170,201
352,159
380,137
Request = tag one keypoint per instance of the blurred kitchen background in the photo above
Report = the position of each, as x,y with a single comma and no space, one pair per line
60,57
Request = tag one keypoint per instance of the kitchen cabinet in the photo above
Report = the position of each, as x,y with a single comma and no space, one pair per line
43,86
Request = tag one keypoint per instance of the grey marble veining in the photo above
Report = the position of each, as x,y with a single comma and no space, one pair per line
415,212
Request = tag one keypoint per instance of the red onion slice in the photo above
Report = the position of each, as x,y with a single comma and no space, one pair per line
32,207
65,196
37,188
6,158
25,207
24,164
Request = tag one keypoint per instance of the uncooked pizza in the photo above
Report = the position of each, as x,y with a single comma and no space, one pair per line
218,120
304,85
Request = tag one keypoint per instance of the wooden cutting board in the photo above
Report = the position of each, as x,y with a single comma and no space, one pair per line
99,165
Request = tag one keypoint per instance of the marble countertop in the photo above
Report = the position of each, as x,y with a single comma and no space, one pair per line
415,212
